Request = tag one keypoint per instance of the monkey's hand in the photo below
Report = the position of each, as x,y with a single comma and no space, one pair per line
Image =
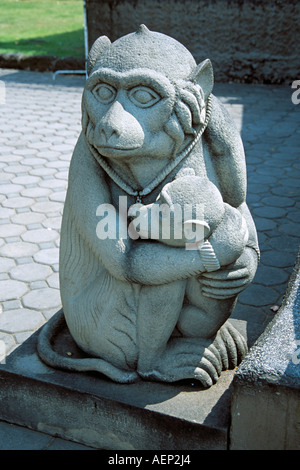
230,280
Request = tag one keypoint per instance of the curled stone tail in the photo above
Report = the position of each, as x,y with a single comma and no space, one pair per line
51,357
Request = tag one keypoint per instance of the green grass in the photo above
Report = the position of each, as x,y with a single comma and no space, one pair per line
47,27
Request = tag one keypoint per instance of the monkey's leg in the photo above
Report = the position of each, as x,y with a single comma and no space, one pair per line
204,317
204,321
171,359
158,312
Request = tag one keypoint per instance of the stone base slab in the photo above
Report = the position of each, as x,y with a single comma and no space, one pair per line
90,409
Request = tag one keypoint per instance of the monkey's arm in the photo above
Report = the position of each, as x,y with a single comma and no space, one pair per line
127,260
226,148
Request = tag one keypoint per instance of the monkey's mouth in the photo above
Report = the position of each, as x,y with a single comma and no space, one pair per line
116,151
116,147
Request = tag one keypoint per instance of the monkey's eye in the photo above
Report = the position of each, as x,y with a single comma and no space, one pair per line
143,97
104,93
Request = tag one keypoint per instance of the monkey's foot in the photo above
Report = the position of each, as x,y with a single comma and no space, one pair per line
198,359
186,358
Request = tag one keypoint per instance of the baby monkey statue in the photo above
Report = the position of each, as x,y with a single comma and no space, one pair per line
146,294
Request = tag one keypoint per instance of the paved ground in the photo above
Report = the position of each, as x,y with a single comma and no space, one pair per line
39,125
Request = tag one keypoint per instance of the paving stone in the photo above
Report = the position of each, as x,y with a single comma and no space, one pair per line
63,175
9,342
5,177
255,188
10,290
53,222
294,216
290,228
37,285
264,224
5,213
28,218
17,169
24,260
6,264
34,161
11,230
26,180
278,201
285,243
270,212
41,299
269,276
42,171
47,207
58,196
284,191
18,202
10,158
50,256
39,236
35,192
18,250
22,319
22,336
30,272
57,164
258,179
53,280
53,183
49,154
258,296
10,188
11,305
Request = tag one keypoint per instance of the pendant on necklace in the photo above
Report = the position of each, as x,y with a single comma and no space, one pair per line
138,199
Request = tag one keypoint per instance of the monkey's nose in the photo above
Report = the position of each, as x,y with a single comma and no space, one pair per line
118,129
108,134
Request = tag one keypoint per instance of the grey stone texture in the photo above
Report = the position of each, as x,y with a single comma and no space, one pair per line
149,117
246,40
265,404
269,124
96,412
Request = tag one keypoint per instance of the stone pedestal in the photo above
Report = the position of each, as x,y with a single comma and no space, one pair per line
90,409
265,404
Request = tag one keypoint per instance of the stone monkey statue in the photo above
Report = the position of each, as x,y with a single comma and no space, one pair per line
224,226
148,113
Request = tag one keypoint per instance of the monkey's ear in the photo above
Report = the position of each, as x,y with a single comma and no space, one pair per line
96,50
204,76
196,230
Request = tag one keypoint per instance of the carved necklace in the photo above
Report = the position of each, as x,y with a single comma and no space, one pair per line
165,172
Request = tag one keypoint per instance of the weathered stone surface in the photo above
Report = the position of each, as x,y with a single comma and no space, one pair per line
89,409
265,407
17,320
11,289
41,299
147,101
251,43
267,105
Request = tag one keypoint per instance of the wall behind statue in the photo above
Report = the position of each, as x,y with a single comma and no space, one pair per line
246,40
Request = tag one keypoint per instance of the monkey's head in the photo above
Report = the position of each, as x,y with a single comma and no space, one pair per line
145,96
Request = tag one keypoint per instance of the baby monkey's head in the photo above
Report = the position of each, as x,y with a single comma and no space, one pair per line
187,210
